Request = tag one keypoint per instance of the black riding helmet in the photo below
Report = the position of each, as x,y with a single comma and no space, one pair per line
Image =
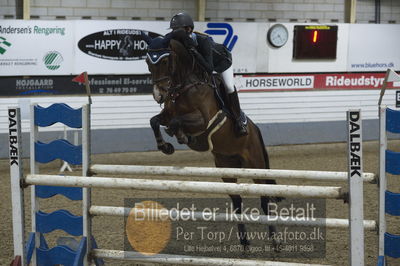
181,20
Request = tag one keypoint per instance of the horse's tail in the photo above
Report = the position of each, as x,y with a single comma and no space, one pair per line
265,154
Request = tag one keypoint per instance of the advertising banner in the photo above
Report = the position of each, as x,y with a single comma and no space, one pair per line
373,47
63,85
240,39
108,47
142,84
39,56
299,82
36,47
104,47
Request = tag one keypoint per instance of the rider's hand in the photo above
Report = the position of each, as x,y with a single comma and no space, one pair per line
192,51
182,36
179,34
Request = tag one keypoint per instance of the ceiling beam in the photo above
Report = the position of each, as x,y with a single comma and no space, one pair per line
23,9
350,11
201,10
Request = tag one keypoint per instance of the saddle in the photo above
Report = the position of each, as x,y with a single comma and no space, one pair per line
220,96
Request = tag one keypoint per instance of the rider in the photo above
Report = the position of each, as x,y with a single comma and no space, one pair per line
212,57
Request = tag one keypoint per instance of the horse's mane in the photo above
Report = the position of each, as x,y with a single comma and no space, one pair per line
185,61
183,55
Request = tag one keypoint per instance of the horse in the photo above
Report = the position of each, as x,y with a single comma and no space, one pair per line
196,118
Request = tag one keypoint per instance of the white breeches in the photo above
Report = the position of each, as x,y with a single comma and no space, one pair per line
229,82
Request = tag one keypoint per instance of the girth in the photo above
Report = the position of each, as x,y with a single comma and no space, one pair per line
202,141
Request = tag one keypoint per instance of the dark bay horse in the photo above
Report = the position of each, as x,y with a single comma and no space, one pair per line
192,113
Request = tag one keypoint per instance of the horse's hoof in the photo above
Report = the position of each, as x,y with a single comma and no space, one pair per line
183,140
169,132
277,245
191,140
245,243
167,148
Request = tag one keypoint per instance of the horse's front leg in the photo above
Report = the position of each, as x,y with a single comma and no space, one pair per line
155,123
185,125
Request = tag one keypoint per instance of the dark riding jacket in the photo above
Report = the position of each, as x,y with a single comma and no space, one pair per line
211,55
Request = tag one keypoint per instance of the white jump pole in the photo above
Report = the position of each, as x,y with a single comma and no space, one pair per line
34,169
222,217
16,175
86,192
185,260
239,173
289,191
355,169
382,180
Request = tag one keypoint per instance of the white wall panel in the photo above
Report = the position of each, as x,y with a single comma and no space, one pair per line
110,112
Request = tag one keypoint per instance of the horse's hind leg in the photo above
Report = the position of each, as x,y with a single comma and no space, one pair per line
237,205
233,162
258,159
272,232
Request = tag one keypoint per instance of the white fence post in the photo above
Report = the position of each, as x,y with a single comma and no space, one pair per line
355,169
86,192
16,175
382,180
34,131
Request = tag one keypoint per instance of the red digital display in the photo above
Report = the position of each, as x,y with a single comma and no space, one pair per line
315,36
315,42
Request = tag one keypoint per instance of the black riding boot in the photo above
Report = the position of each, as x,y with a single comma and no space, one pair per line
234,107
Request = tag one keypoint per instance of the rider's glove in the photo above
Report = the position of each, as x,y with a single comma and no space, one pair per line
192,51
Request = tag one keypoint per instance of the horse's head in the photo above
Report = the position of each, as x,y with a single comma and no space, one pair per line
166,63
161,63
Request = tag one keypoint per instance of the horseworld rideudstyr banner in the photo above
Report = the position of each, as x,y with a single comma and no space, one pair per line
142,84
302,82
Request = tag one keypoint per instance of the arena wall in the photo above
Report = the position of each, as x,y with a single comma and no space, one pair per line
224,10
285,117
121,123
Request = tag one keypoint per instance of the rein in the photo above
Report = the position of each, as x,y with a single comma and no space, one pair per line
175,92
161,79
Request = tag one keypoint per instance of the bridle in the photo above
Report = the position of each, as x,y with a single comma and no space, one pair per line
169,54
173,91
159,80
